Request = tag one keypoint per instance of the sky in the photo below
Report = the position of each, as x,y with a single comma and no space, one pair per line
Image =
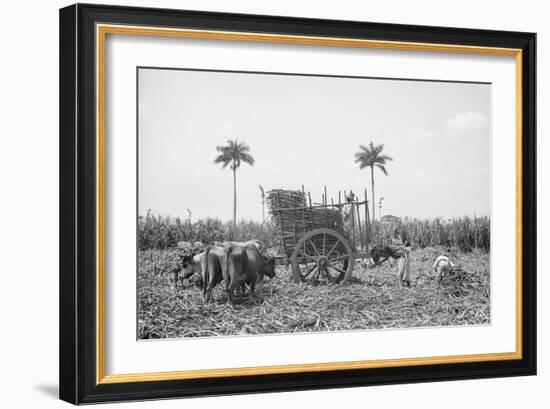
305,130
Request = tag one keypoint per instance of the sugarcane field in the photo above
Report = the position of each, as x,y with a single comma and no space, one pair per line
171,306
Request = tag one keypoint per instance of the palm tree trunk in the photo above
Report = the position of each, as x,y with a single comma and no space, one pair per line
372,191
234,197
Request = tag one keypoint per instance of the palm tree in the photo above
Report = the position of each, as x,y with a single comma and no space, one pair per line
371,156
233,153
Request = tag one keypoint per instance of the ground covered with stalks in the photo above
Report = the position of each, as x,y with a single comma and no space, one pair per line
373,299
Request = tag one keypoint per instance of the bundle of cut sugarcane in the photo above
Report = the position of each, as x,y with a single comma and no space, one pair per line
281,198
293,218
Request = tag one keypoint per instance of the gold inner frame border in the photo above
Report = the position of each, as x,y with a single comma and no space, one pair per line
102,30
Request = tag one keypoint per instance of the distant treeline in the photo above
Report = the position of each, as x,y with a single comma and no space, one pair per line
464,233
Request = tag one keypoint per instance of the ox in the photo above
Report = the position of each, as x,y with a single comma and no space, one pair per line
256,243
191,264
245,265
212,265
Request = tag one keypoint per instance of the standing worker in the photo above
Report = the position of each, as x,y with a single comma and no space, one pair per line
348,213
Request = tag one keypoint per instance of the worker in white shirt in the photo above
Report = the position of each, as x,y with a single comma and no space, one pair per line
442,267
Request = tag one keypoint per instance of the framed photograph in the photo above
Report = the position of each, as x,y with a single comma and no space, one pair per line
256,203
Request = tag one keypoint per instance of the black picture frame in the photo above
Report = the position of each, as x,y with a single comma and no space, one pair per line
78,236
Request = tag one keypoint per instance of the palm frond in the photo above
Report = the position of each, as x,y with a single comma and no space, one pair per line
378,149
247,158
382,168
223,159
360,157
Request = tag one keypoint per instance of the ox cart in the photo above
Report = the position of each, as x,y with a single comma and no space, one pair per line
316,240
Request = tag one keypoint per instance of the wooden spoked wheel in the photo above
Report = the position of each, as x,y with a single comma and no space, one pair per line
322,254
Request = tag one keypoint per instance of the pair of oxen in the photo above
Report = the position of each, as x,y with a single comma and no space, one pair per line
237,264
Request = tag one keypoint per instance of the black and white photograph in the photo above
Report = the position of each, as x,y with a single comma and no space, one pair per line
274,203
